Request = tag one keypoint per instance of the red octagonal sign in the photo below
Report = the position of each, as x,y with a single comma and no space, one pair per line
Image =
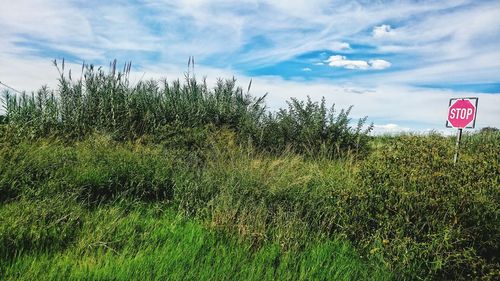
462,113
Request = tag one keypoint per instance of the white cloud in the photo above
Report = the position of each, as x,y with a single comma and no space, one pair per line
452,34
28,73
481,68
342,61
306,69
340,46
379,64
390,128
382,31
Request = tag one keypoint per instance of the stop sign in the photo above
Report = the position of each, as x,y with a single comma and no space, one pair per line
461,113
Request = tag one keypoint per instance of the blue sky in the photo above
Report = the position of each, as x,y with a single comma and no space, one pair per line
398,62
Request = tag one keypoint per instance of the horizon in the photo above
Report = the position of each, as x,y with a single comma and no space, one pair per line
399,63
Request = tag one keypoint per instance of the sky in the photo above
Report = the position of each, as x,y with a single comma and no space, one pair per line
397,62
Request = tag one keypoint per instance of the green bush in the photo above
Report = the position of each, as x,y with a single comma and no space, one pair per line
312,129
422,207
107,170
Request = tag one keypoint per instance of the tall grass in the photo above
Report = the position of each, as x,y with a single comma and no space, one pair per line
106,102
406,204
136,241
101,101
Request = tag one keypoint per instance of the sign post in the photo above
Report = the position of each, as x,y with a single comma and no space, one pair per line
461,114
457,145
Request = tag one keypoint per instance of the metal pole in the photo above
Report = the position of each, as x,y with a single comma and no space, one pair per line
457,145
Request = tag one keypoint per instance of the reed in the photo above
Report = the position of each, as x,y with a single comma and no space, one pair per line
105,102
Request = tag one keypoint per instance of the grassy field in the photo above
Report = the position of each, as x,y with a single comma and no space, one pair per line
141,192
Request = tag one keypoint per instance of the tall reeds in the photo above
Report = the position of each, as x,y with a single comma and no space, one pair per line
105,101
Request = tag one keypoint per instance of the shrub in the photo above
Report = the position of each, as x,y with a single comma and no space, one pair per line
422,207
312,129
32,169
94,171
107,170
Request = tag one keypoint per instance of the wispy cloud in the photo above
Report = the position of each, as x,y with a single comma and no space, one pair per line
431,43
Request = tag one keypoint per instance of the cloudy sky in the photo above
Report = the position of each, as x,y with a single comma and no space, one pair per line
399,62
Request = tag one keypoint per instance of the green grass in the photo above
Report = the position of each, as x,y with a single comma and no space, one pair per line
405,207
141,241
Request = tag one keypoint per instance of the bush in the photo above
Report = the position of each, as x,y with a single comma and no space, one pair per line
421,207
310,128
105,171
32,169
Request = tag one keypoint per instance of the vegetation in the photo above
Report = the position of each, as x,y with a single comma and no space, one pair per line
143,241
235,197
486,130
107,103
